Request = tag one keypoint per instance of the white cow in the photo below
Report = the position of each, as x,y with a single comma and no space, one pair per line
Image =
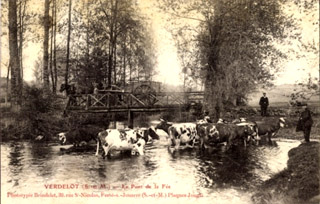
180,133
124,140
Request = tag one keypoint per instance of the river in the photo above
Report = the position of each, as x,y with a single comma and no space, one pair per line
33,172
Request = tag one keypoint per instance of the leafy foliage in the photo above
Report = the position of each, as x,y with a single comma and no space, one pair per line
40,114
111,43
304,91
234,44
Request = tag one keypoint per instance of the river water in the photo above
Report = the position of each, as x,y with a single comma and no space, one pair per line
43,173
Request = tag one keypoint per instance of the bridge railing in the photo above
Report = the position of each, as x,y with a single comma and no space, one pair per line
126,100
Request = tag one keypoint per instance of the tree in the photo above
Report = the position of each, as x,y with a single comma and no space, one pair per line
22,16
110,38
46,26
14,61
235,43
66,78
53,47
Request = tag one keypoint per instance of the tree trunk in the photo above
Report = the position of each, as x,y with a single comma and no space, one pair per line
124,62
115,63
110,65
68,46
87,36
7,85
21,16
51,56
46,46
14,62
130,69
55,47
112,41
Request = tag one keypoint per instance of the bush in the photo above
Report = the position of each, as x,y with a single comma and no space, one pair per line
40,114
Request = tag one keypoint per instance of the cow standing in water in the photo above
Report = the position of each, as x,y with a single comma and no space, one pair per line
270,128
78,135
124,140
179,134
211,134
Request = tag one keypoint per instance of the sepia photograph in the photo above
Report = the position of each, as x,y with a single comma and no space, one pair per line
159,101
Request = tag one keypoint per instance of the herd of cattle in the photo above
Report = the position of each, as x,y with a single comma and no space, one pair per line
202,133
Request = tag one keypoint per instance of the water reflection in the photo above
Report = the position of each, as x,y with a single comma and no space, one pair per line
213,173
15,162
225,169
41,154
102,170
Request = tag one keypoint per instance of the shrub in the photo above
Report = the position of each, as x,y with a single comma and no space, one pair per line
40,113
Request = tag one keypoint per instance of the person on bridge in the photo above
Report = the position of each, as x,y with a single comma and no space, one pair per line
264,103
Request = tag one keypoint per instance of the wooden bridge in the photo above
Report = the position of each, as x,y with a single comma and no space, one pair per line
114,101
120,101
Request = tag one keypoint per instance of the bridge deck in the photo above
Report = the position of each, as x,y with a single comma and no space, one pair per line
115,101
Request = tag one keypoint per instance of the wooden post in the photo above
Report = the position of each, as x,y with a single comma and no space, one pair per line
114,121
130,119
88,102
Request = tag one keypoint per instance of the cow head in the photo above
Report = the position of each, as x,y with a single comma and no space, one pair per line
202,121
163,125
250,129
102,137
207,119
139,146
153,134
62,138
282,122
213,131
142,133
147,134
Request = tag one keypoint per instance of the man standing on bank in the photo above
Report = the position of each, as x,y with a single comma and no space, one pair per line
264,103
305,123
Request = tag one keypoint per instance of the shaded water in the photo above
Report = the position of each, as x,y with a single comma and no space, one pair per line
182,177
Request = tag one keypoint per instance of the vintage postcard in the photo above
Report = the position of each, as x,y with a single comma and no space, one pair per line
159,101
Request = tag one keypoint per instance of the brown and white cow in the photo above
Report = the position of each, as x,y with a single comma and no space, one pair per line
211,134
206,131
124,140
270,128
180,133
254,137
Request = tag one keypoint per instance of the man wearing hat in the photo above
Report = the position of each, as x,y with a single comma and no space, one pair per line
305,123
264,103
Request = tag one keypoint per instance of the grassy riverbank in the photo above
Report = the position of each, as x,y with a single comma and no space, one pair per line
298,183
